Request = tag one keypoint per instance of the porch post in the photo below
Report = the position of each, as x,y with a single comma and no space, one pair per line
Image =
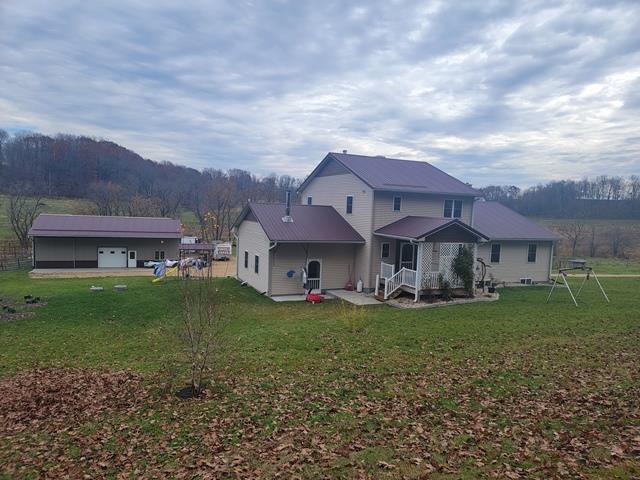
420,246
475,264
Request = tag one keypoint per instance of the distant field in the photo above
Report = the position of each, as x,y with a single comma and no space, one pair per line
51,205
550,222
613,266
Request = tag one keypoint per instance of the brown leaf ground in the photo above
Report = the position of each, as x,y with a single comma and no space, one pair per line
437,421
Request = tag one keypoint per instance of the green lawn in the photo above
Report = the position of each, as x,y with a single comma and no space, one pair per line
515,388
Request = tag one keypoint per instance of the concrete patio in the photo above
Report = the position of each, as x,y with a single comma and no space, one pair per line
219,270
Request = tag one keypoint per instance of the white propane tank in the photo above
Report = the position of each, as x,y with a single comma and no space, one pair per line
359,286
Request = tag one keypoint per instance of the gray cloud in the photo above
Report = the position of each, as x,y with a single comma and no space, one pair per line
516,92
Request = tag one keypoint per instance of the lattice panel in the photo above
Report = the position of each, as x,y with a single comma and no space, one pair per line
426,264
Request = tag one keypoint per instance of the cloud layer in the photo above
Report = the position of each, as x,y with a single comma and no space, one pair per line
492,92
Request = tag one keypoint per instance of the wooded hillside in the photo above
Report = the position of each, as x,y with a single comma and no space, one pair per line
118,181
604,197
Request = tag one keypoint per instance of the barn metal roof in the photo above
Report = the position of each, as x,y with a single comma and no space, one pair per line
311,223
54,225
392,174
502,223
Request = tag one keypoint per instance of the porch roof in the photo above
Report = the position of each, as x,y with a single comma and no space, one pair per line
421,228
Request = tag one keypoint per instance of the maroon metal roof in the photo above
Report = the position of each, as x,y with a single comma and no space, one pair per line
414,227
311,223
502,223
50,225
382,173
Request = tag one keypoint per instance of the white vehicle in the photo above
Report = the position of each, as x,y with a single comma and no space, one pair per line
222,251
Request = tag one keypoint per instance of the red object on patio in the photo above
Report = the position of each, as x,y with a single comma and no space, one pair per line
314,298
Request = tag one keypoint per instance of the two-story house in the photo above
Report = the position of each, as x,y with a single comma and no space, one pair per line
398,222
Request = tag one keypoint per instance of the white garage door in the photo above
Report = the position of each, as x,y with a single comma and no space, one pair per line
114,257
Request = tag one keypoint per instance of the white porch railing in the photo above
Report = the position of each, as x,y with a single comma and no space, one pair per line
387,270
404,277
313,284
431,280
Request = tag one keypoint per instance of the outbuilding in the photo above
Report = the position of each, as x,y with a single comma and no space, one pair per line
90,241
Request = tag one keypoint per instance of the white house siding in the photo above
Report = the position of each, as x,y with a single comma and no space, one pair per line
513,261
333,190
251,238
418,204
337,260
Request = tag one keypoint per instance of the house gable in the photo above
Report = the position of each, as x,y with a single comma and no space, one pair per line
332,167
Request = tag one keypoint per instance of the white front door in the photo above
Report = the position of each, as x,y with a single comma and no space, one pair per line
133,260
112,257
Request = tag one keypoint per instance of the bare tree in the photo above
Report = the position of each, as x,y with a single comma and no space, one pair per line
107,197
618,241
573,232
139,206
22,210
593,240
203,326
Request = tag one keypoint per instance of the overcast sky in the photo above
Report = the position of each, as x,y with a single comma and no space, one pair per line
491,92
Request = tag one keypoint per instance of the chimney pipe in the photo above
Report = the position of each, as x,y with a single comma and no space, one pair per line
344,151
287,209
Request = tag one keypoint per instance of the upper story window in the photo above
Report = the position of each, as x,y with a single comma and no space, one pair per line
495,253
397,203
349,203
532,254
309,200
452,209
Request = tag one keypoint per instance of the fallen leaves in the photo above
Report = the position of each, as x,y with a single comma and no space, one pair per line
501,418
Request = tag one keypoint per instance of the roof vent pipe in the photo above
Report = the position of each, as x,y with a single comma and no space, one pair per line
344,151
287,209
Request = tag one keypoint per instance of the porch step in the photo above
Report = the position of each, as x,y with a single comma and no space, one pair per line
406,288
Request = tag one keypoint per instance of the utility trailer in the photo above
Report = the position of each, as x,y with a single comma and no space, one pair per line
222,251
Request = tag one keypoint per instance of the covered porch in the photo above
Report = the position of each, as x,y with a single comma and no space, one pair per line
424,249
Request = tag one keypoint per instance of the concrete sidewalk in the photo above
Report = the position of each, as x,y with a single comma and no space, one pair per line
354,297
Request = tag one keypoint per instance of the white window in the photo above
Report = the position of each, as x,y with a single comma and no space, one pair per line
452,209
246,259
309,200
384,250
397,203
349,203
495,253
256,264
532,254
159,254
